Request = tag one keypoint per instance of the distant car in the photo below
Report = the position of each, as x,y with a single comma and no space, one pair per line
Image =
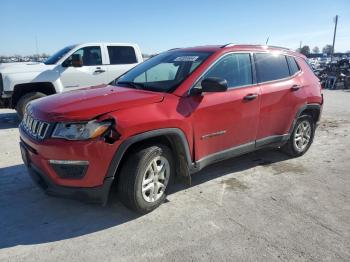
170,116
73,67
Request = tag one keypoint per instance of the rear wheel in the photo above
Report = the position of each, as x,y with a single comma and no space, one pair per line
24,100
301,137
145,178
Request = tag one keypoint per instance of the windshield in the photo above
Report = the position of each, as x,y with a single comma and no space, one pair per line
164,72
57,56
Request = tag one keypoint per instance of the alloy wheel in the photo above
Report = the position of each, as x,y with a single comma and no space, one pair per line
155,179
302,135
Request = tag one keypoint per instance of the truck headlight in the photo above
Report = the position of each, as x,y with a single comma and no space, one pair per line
81,131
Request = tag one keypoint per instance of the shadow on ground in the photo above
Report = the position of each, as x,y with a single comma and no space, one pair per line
8,120
29,217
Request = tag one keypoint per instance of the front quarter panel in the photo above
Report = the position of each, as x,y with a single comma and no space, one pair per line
10,80
172,112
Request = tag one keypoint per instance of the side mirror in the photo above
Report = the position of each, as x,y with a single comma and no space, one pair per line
211,84
114,82
77,60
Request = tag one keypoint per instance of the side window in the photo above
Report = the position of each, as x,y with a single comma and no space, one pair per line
235,68
91,55
161,72
293,65
271,67
194,65
121,55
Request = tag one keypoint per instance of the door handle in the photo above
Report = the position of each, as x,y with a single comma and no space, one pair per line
295,88
250,97
99,70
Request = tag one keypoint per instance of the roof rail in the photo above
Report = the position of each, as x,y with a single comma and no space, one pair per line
227,45
280,47
174,48
257,45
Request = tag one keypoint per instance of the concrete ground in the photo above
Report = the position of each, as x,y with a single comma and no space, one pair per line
259,207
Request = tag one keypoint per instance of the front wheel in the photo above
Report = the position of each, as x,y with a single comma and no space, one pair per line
24,100
301,137
145,178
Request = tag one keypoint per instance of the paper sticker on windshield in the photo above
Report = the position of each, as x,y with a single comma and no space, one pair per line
186,58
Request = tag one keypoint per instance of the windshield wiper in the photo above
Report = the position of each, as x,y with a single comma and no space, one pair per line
132,84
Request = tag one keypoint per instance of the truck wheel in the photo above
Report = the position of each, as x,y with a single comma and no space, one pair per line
24,100
145,177
301,138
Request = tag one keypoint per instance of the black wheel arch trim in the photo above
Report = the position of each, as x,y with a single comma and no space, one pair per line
302,109
22,89
124,146
308,106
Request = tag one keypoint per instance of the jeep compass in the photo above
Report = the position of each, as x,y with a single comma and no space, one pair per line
170,117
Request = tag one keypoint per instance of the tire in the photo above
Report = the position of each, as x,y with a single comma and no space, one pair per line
134,186
24,100
297,145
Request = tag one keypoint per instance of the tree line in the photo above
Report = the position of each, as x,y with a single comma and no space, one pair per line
327,49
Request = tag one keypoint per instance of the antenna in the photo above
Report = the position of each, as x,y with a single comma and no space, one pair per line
227,45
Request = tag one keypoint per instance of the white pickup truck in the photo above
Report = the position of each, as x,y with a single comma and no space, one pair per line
73,67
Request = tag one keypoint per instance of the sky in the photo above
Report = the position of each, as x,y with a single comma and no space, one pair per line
158,25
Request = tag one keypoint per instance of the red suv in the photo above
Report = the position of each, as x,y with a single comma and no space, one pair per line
170,116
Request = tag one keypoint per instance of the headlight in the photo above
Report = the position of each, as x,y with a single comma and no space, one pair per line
80,131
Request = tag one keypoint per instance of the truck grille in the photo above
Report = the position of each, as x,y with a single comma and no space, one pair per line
1,86
35,128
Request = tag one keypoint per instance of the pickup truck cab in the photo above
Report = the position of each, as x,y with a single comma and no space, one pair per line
70,68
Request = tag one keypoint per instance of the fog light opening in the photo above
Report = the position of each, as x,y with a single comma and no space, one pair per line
70,169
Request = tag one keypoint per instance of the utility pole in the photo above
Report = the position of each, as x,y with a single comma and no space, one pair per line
36,45
335,32
300,43
267,40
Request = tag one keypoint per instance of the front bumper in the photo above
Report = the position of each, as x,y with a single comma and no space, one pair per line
94,183
98,153
93,194
5,102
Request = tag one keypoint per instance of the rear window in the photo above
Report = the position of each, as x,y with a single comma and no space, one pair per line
271,67
309,65
293,65
121,55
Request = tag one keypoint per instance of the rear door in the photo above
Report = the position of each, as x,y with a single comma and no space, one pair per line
226,120
279,84
120,59
92,73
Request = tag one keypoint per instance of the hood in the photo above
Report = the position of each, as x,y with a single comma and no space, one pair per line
88,103
10,68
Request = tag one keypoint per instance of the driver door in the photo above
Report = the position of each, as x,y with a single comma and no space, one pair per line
227,121
91,73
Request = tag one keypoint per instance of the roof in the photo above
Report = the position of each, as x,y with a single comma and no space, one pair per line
108,43
242,47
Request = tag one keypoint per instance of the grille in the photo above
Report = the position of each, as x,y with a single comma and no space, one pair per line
35,128
1,86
